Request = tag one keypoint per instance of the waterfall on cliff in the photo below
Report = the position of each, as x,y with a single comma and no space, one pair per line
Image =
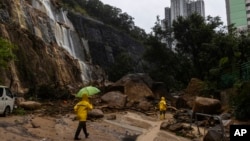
65,34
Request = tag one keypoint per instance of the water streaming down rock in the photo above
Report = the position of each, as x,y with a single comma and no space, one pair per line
65,34
50,47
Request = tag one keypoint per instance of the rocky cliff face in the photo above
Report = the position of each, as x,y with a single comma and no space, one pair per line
57,49
106,43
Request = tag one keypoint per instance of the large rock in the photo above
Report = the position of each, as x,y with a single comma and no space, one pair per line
185,101
206,105
135,86
194,88
19,100
96,113
144,105
30,105
213,135
115,99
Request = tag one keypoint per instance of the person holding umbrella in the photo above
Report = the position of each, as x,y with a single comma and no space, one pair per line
81,109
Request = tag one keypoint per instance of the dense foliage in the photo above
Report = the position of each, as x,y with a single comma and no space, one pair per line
164,64
193,37
240,102
107,14
123,65
218,56
203,48
6,53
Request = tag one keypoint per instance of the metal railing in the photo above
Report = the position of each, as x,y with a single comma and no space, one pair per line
223,136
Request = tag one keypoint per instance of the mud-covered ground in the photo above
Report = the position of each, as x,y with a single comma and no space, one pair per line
128,126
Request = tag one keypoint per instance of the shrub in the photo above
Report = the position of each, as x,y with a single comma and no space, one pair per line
19,111
241,103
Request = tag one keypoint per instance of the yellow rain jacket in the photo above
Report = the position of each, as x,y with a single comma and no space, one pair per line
163,104
82,108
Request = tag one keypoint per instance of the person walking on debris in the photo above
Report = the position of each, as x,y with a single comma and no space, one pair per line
162,108
81,109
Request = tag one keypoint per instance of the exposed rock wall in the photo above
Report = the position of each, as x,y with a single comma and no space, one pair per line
106,43
39,59
38,63
52,51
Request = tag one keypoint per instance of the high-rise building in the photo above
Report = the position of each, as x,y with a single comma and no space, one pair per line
185,8
182,8
238,13
167,19
178,8
196,6
248,12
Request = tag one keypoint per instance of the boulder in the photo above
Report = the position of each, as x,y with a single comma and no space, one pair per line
111,117
195,86
184,101
182,116
115,99
137,91
96,113
135,86
144,105
30,105
187,97
213,135
206,105
164,126
19,100
176,127
138,77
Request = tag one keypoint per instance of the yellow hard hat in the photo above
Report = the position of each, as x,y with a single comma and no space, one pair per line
162,98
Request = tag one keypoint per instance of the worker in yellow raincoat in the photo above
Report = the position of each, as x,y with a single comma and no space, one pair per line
162,107
81,109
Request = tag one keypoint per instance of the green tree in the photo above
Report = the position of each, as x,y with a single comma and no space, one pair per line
194,36
6,53
108,14
244,48
124,65
165,65
138,33
240,102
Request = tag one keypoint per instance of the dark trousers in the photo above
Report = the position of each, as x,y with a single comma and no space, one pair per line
81,126
162,114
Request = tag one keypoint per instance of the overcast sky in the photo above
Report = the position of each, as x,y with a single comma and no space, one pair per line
144,12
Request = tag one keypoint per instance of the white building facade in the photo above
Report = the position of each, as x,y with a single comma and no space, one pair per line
185,8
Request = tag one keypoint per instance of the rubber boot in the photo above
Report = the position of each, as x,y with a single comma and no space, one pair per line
161,117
